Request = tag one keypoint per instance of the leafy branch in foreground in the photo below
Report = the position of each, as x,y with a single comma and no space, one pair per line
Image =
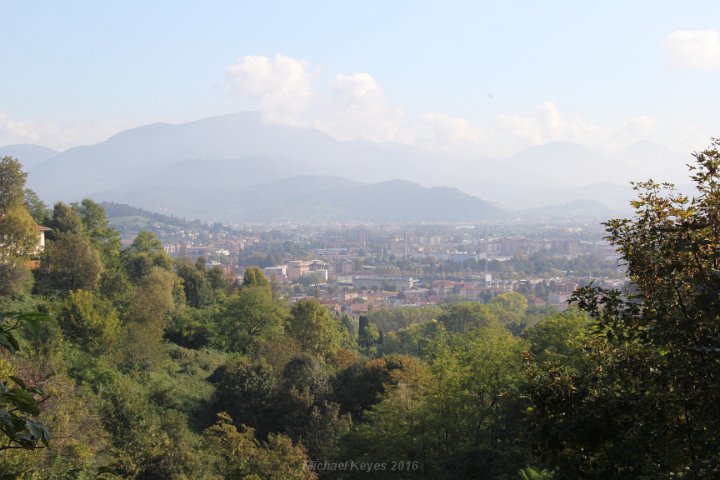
18,402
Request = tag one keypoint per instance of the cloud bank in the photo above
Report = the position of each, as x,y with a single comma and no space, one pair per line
58,135
693,49
350,106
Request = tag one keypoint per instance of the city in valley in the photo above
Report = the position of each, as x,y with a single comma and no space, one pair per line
357,269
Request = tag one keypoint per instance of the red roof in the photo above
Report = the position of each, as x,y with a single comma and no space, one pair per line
359,307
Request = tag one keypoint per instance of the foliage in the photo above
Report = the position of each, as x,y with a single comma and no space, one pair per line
95,224
90,322
415,339
198,290
12,183
18,401
147,316
249,317
18,233
37,208
65,220
510,308
69,263
246,458
145,253
640,404
362,385
246,391
466,316
254,277
15,278
314,329
393,319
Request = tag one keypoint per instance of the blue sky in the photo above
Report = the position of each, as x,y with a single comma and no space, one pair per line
470,76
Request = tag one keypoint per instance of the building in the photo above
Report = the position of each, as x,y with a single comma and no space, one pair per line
316,276
279,272
399,283
296,269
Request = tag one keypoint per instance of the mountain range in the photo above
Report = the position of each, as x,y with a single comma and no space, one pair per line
237,168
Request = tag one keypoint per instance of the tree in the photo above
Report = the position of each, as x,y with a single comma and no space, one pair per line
246,458
249,317
465,316
254,277
18,233
197,288
303,410
642,403
510,308
362,385
368,336
90,322
314,329
150,303
103,237
12,183
217,279
145,253
37,208
65,220
15,278
246,390
70,263
560,337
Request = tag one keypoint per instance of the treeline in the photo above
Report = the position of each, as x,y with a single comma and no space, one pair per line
162,369
114,209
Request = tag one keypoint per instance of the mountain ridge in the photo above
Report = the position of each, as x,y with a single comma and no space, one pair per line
312,199
240,150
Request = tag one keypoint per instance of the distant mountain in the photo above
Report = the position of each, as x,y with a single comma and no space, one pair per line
557,164
643,160
177,168
312,199
584,208
230,173
134,155
28,154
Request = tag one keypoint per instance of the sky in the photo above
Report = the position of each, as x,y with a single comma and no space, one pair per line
466,77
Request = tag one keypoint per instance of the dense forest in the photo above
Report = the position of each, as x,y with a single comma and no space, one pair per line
124,363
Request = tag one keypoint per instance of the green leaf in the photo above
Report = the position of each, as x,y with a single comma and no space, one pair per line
18,382
23,400
9,341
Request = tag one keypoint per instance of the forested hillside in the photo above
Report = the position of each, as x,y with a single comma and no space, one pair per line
125,363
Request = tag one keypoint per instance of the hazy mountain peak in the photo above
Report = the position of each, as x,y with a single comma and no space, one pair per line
29,154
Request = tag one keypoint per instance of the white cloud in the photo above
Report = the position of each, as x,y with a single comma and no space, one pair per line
547,124
693,49
12,131
445,133
282,85
354,105
61,134
349,106
357,107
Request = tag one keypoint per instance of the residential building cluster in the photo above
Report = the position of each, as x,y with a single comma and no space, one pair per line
355,269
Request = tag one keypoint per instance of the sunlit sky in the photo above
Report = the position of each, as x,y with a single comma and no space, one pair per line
479,77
